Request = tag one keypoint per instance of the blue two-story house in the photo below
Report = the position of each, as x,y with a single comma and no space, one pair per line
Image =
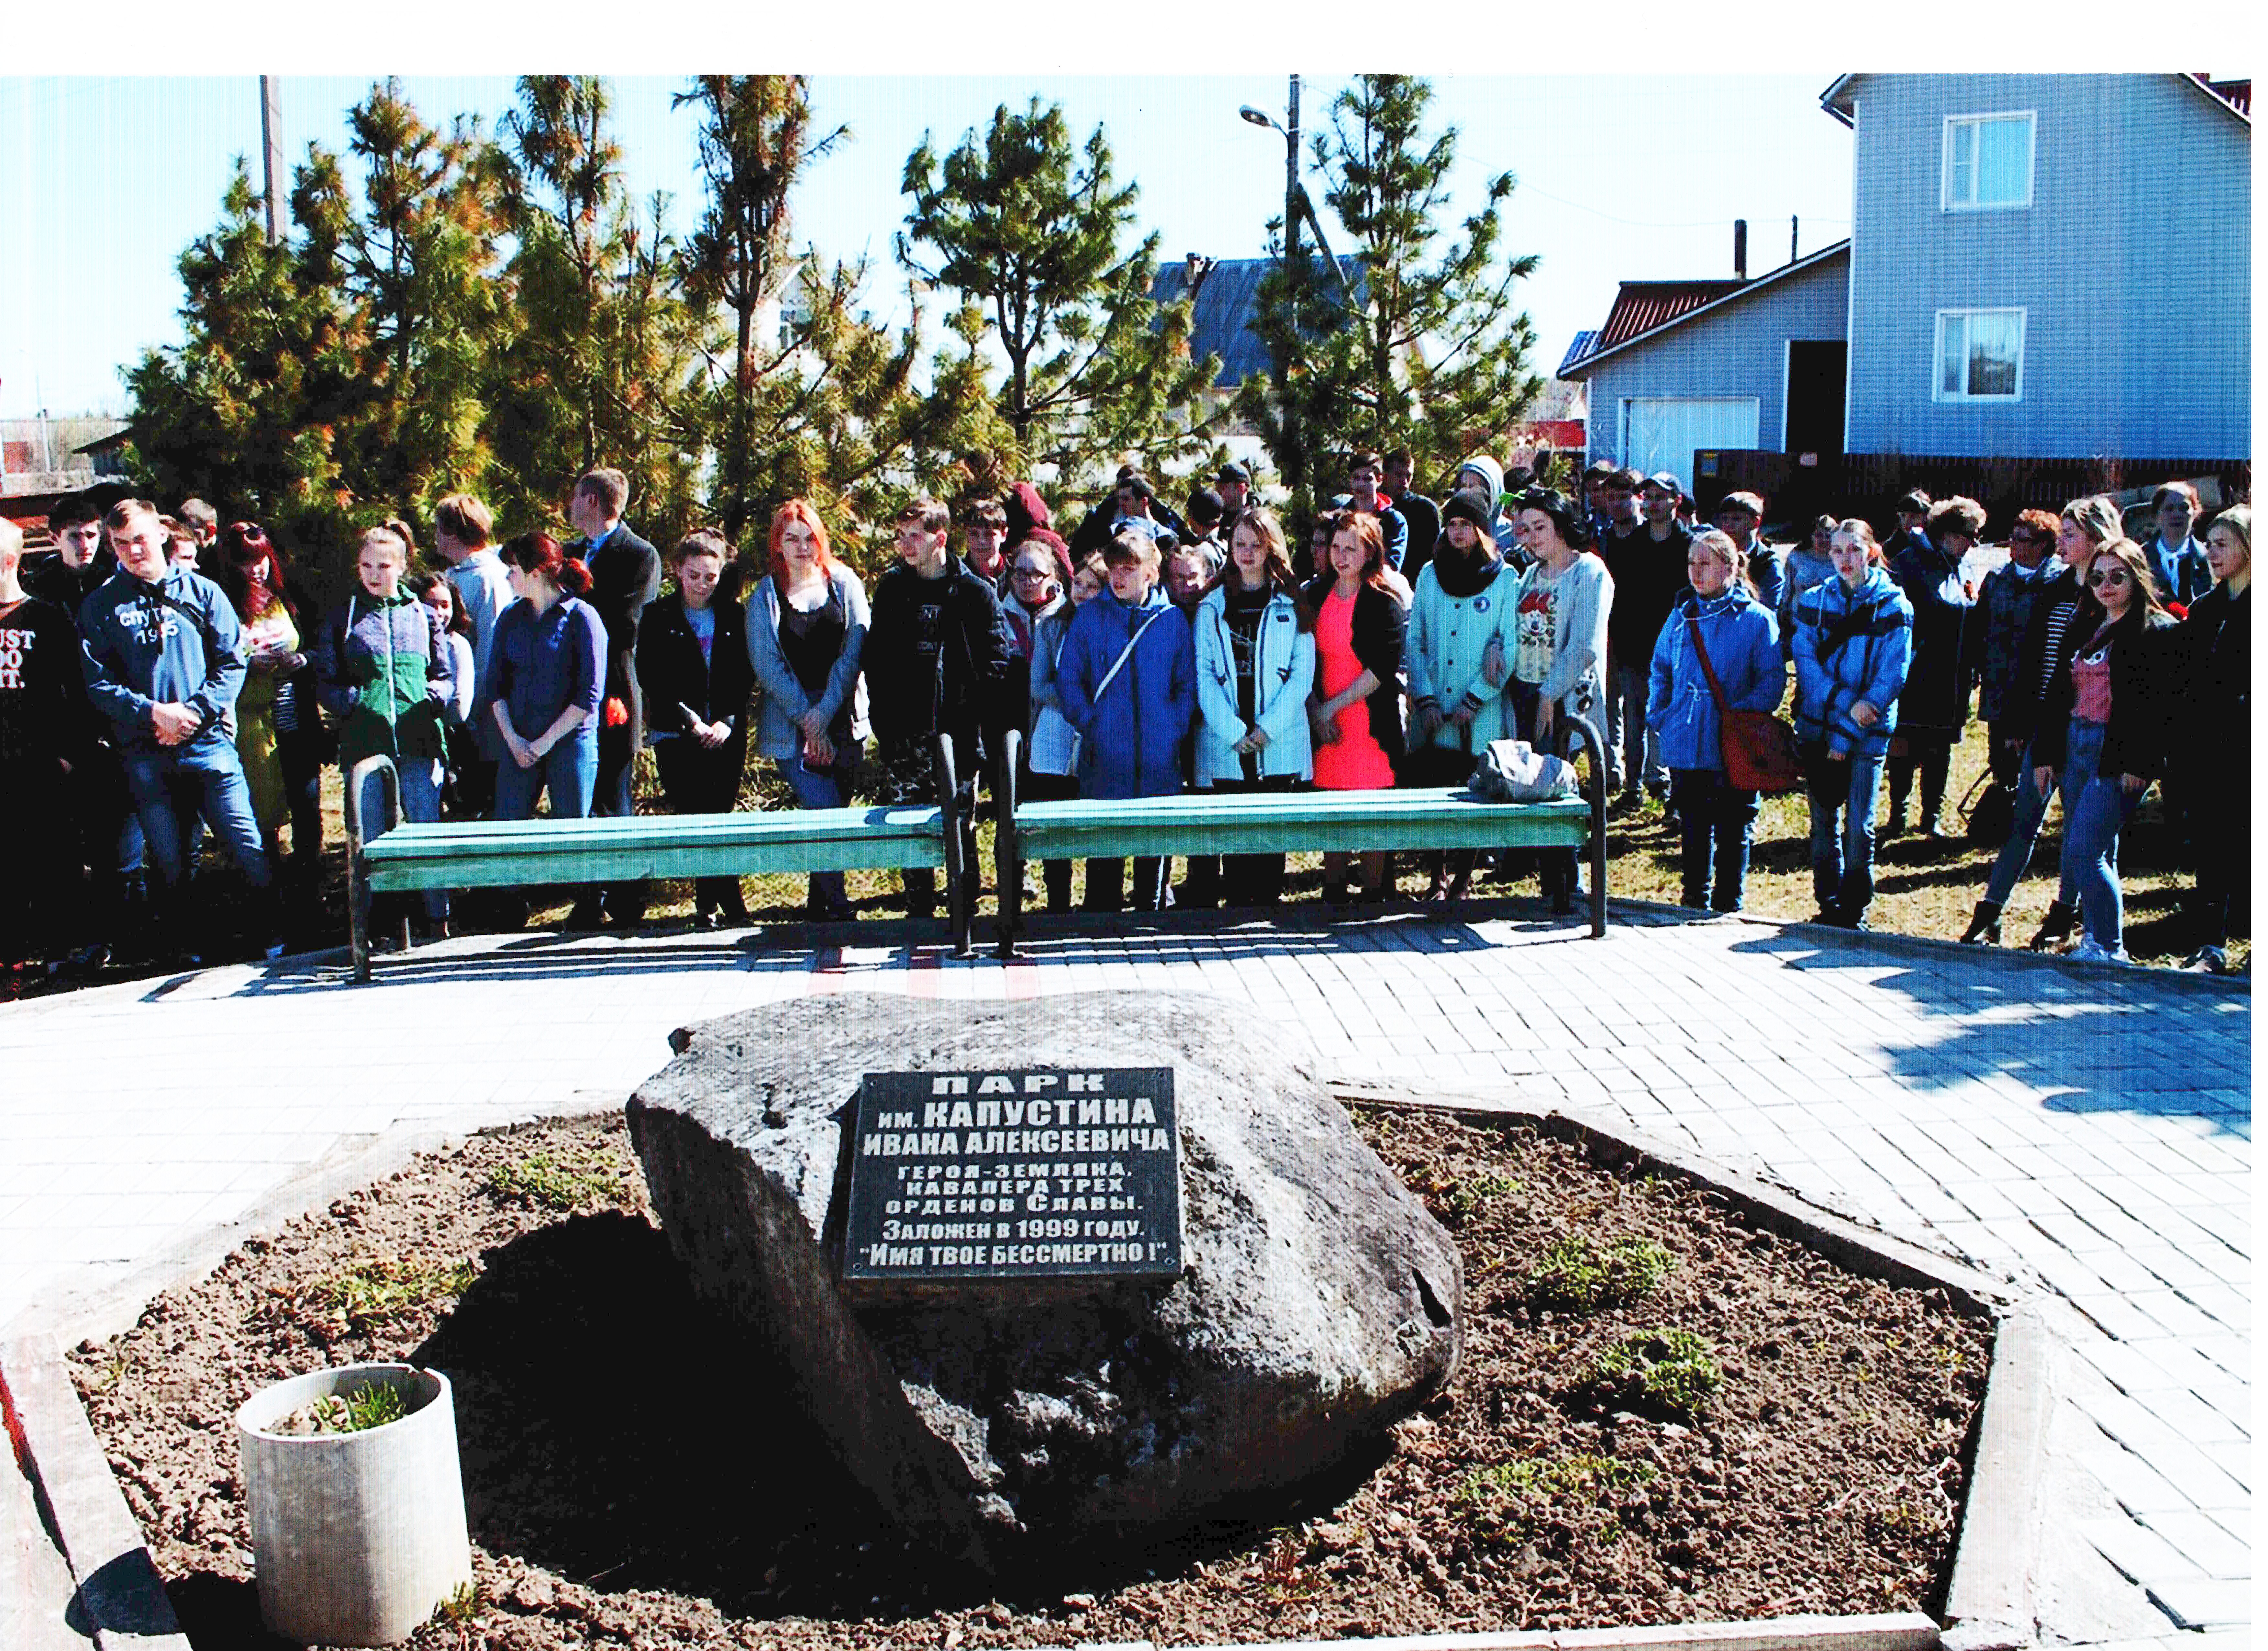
2040,267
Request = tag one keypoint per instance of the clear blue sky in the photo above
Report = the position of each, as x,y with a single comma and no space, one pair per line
1619,178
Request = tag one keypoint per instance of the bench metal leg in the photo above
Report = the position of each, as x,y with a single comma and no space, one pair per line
1595,790
959,906
1008,847
381,769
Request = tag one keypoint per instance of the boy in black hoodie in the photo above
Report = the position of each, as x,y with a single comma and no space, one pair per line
937,659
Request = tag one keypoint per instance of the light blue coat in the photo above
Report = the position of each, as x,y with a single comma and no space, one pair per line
1448,636
1284,672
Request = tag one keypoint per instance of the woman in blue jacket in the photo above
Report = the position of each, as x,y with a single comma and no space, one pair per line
1719,614
547,674
1853,640
1127,682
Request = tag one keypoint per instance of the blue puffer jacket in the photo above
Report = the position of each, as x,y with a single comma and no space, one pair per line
1743,643
1133,731
1850,645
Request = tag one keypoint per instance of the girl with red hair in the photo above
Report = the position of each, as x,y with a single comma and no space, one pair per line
807,624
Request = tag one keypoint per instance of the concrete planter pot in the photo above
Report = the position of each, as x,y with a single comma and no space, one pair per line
355,1537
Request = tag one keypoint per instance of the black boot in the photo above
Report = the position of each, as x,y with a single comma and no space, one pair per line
2056,927
1984,927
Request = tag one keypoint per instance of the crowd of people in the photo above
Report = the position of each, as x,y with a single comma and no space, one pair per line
164,676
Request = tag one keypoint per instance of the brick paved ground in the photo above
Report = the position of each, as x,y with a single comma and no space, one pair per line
2083,1130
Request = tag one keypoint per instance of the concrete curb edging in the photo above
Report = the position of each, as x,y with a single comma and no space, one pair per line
117,1587
1990,1595
1994,1565
1896,1631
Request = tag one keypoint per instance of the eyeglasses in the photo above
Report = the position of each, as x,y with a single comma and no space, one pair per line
2110,576
1034,574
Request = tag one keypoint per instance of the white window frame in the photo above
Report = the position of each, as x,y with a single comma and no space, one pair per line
1946,202
1939,393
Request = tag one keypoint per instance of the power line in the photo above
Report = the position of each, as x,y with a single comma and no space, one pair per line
1639,222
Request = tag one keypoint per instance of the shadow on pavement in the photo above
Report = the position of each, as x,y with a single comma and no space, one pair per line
2088,1037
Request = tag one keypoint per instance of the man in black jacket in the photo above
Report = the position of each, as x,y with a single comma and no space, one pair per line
625,575
936,660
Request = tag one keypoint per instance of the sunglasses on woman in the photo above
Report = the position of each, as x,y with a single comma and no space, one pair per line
2109,576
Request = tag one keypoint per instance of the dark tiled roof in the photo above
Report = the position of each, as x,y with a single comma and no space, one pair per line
1222,311
2235,93
1580,348
1643,305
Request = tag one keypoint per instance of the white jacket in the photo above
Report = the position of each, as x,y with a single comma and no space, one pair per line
1284,672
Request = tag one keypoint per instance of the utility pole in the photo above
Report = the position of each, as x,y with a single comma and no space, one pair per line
271,152
1295,270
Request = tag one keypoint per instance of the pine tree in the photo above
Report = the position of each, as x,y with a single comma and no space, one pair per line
1028,231
1432,356
416,268
601,344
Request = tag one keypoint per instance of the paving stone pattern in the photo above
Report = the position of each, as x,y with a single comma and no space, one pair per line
2083,1130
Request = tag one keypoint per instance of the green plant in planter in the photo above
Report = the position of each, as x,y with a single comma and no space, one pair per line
1667,1370
1580,1274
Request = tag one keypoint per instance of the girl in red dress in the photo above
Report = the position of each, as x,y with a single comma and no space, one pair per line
1355,709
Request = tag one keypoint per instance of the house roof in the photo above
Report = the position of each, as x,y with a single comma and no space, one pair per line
1643,305
1580,348
2235,96
1665,316
1220,313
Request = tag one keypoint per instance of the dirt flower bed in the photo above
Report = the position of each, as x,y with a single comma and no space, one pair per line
1662,1416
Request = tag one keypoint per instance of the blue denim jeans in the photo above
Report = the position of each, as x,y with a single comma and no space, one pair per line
818,788
178,790
173,788
2090,840
1715,821
421,805
568,771
2031,808
1842,794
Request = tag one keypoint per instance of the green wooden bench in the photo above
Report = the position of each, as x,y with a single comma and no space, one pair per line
1274,823
402,857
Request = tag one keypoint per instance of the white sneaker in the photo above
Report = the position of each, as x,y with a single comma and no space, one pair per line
2091,951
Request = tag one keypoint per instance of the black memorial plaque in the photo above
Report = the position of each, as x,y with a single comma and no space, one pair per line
1042,1174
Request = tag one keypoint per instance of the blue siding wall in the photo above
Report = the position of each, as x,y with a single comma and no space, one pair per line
1738,348
2134,263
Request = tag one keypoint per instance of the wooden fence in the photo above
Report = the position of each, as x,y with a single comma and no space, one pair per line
1869,484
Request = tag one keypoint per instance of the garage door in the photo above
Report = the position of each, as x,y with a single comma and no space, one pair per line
1660,432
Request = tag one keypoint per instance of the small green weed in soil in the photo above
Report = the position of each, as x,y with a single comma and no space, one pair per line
1581,1276
370,1293
537,1179
1668,1370
1504,1504
1466,1199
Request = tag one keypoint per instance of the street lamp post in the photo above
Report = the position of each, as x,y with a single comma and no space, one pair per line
1294,455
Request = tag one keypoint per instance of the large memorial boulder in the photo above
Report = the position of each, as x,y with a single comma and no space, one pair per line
1317,1303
